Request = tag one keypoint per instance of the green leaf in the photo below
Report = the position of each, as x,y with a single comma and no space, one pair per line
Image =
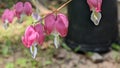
29,20
5,50
21,62
48,62
9,65
116,47
89,54
34,63
65,46
8,42
77,49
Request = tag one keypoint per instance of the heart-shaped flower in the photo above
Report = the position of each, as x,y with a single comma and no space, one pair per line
34,35
22,9
27,8
56,24
7,17
19,9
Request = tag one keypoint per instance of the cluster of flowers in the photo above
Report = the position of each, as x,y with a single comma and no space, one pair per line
54,23
18,11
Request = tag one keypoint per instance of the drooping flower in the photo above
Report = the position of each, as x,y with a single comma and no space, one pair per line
33,36
22,9
61,25
95,7
56,24
19,9
27,8
7,17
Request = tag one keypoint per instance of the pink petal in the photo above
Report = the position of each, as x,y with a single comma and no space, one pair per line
4,15
49,23
40,36
38,28
28,8
33,34
62,25
99,6
24,42
19,9
96,4
30,35
8,15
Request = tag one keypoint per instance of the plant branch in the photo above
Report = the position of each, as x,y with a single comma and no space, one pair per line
55,11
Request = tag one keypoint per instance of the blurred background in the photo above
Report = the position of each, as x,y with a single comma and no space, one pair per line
14,55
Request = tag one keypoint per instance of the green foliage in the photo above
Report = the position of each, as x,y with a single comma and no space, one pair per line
7,3
34,63
9,65
5,50
89,54
1,11
29,20
66,47
21,62
77,49
116,46
51,37
48,62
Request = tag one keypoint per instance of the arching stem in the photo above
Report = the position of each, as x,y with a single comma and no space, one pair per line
57,10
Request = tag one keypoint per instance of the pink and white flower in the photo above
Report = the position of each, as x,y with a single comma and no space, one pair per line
34,35
22,9
95,7
56,24
7,17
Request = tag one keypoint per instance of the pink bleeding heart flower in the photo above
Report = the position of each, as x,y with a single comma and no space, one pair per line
23,8
8,15
56,23
27,8
62,25
40,38
49,23
19,9
33,34
95,4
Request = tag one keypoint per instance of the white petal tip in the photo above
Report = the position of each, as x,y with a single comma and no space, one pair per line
56,41
33,50
96,17
6,24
